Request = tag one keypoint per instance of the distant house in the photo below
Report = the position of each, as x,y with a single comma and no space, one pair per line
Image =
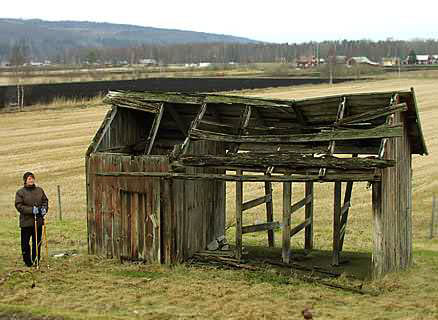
390,61
361,60
306,61
148,62
204,64
424,59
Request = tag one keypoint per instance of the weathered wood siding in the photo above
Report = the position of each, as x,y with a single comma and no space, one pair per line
199,206
127,128
124,212
392,208
149,219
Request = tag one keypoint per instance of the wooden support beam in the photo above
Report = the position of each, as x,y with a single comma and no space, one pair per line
336,223
239,201
244,178
256,202
105,129
269,212
193,125
261,227
300,227
331,148
287,199
153,132
217,124
378,257
298,205
244,121
389,120
374,114
382,131
287,160
345,207
308,237
176,117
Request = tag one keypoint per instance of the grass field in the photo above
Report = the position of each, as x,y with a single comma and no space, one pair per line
52,141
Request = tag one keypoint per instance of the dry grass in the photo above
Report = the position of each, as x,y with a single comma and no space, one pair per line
52,143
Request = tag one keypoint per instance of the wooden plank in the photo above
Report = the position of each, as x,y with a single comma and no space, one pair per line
383,131
244,121
287,199
300,227
166,222
105,128
193,126
377,259
256,202
336,223
141,219
288,160
345,207
239,201
153,131
308,236
253,178
298,205
269,213
134,213
261,227
155,254
347,147
373,114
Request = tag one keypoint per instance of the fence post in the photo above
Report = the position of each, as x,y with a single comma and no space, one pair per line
59,203
432,223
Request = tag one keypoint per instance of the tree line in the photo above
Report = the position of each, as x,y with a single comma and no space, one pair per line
22,51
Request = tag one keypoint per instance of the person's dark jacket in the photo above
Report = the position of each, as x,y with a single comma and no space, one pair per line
25,199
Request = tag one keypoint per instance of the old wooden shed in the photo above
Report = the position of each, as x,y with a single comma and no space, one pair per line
156,170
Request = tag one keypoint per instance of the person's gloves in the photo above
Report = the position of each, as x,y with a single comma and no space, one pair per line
35,210
43,212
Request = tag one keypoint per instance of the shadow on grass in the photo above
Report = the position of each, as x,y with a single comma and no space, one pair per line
354,264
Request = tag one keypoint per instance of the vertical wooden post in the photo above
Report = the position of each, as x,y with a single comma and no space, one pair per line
378,241
269,213
308,238
432,223
287,199
344,218
336,223
239,202
59,203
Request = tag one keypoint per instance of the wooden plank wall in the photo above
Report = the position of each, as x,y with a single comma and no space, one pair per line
124,212
199,206
128,127
392,209
150,219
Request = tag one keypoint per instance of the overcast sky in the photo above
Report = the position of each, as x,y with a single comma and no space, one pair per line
271,21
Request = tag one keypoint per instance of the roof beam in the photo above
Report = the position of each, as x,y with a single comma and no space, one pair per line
383,131
154,130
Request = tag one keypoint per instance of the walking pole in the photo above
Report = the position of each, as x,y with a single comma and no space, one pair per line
36,243
45,241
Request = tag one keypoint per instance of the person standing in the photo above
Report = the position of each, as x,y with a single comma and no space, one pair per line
32,204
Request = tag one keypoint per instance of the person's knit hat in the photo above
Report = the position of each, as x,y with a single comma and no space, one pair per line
27,175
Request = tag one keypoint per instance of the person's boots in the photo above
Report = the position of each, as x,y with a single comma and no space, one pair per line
26,258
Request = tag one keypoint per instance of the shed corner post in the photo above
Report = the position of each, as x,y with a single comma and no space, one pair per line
378,255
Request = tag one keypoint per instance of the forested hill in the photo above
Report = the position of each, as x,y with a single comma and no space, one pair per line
45,36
